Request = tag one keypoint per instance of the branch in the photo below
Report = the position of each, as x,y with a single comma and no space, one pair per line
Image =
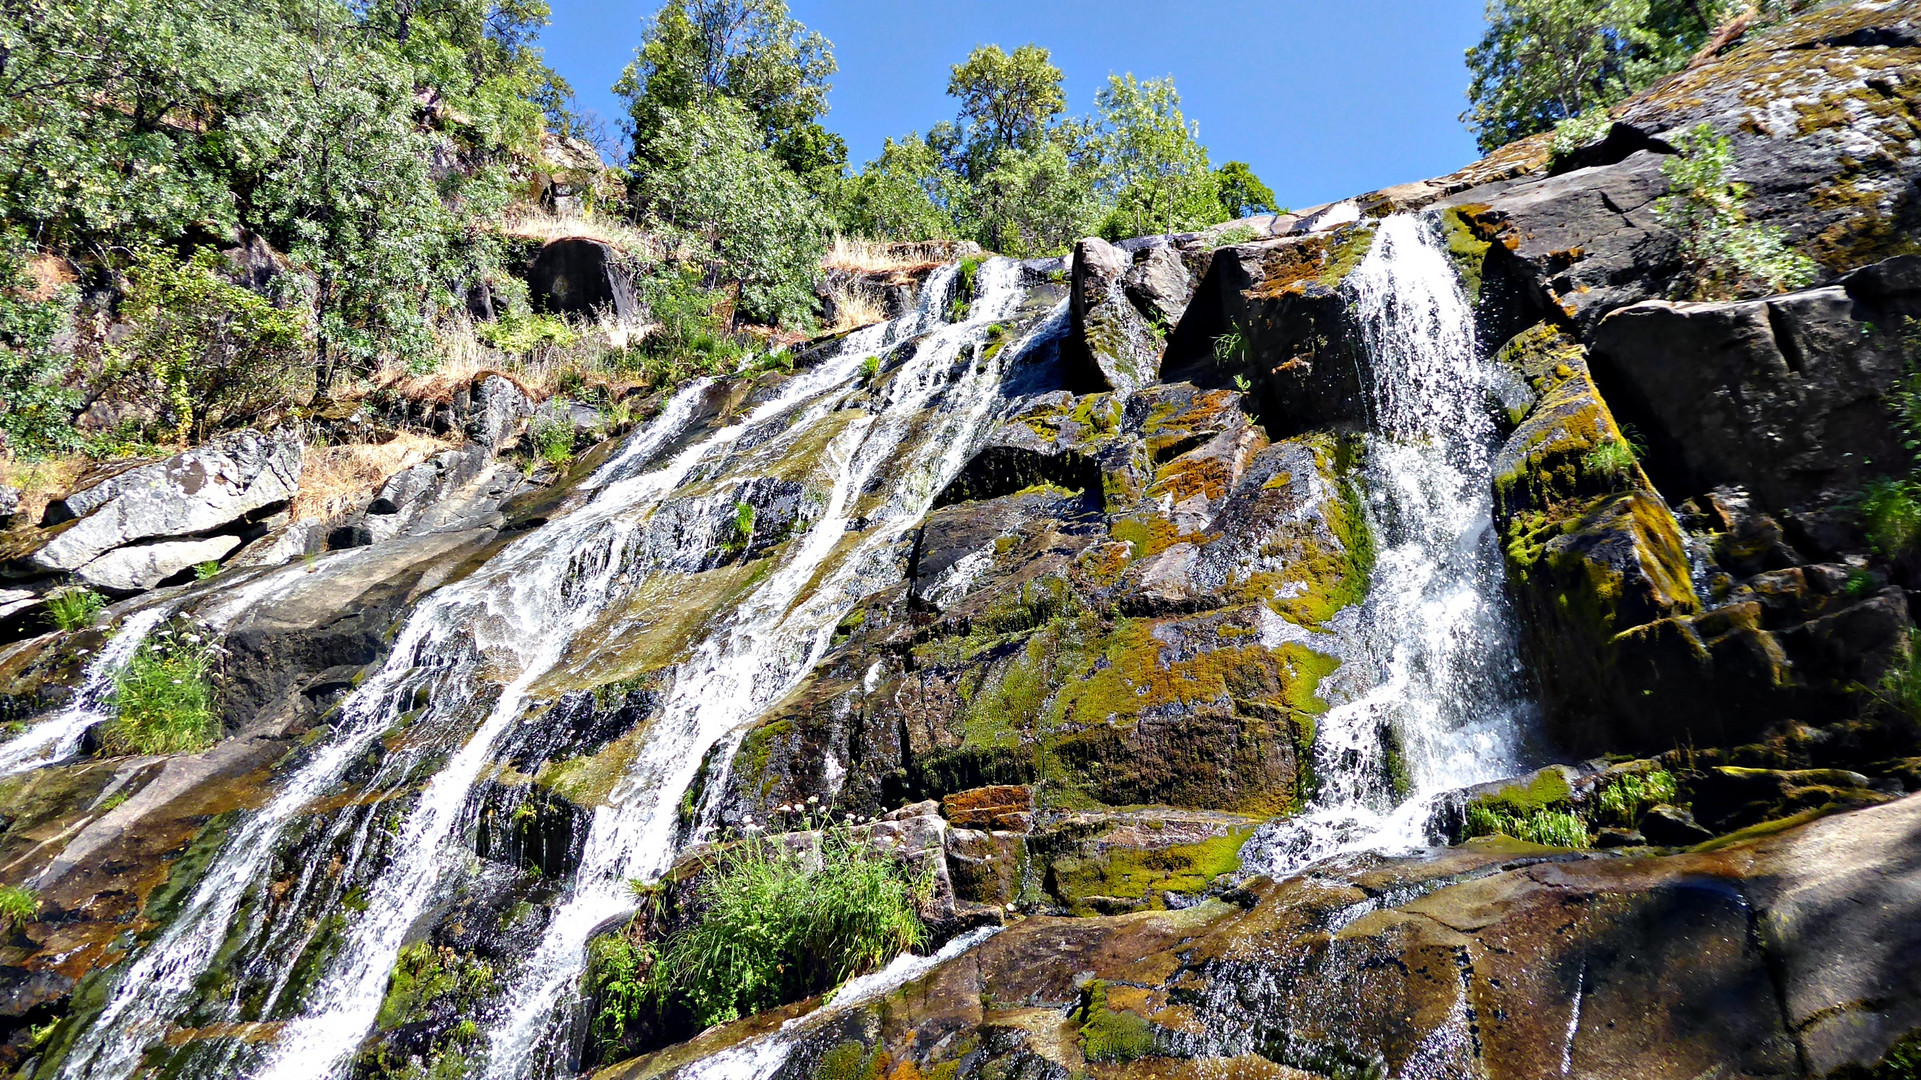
1729,33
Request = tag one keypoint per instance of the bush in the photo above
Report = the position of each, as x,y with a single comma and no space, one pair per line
36,407
18,905
1577,131
773,928
219,354
1724,253
521,333
74,607
553,441
165,697
1890,515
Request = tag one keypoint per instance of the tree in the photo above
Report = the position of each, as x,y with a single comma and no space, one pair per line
1035,202
714,183
1544,61
695,51
905,193
1006,103
1241,192
1155,169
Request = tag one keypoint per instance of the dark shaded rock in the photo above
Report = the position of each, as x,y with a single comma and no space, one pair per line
575,275
495,410
1619,141
1117,348
1786,397
1671,826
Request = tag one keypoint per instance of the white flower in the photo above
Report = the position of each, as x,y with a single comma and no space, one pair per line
812,799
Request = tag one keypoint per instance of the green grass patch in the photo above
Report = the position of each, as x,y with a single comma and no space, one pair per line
18,905
777,926
165,698
1549,828
1890,515
74,607
553,441
1624,799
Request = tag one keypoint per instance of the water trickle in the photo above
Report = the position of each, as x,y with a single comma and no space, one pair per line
1429,668
57,738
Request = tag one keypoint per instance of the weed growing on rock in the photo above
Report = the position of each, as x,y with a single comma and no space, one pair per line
1724,252
777,925
165,697
1550,828
18,905
1615,457
1900,689
1230,347
74,607
1624,799
205,570
870,369
1239,234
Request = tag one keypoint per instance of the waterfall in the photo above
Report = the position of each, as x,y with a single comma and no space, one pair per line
57,737
421,733
1429,671
771,641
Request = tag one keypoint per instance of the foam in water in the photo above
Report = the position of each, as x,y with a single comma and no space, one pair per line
57,738
1428,658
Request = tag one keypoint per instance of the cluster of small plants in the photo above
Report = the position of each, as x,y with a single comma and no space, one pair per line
1546,826
164,700
74,607
775,924
1725,254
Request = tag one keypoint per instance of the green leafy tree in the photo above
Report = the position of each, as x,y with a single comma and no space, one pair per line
1241,192
716,185
1007,101
1035,202
695,51
36,405
1544,61
1155,168
905,193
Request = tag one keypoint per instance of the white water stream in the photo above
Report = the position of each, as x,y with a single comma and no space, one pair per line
1428,657
57,737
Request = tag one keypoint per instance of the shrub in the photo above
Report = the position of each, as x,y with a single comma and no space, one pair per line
1722,250
621,969
165,698
521,333
218,353
1890,514
74,607
774,928
688,338
1577,131
36,407
1900,689
553,441
18,905
1238,234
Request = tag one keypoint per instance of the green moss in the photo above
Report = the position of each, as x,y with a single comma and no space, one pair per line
848,1060
424,975
1133,873
1467,248
1112,1036
1345,253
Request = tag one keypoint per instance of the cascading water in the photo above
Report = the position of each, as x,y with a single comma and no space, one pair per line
434,720
57,737
923,431
1429,665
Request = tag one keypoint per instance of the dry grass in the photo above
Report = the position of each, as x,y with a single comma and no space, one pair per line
41,482
533,223
855,305
854,255
336,478
50,274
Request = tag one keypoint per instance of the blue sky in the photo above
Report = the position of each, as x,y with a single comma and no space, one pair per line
1325,98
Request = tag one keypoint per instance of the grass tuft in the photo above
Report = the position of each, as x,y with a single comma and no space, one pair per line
74,607
165,698
18,905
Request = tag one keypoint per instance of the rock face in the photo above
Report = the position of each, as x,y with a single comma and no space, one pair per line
580,276
1787,397
234,479
1114,306
1496,960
